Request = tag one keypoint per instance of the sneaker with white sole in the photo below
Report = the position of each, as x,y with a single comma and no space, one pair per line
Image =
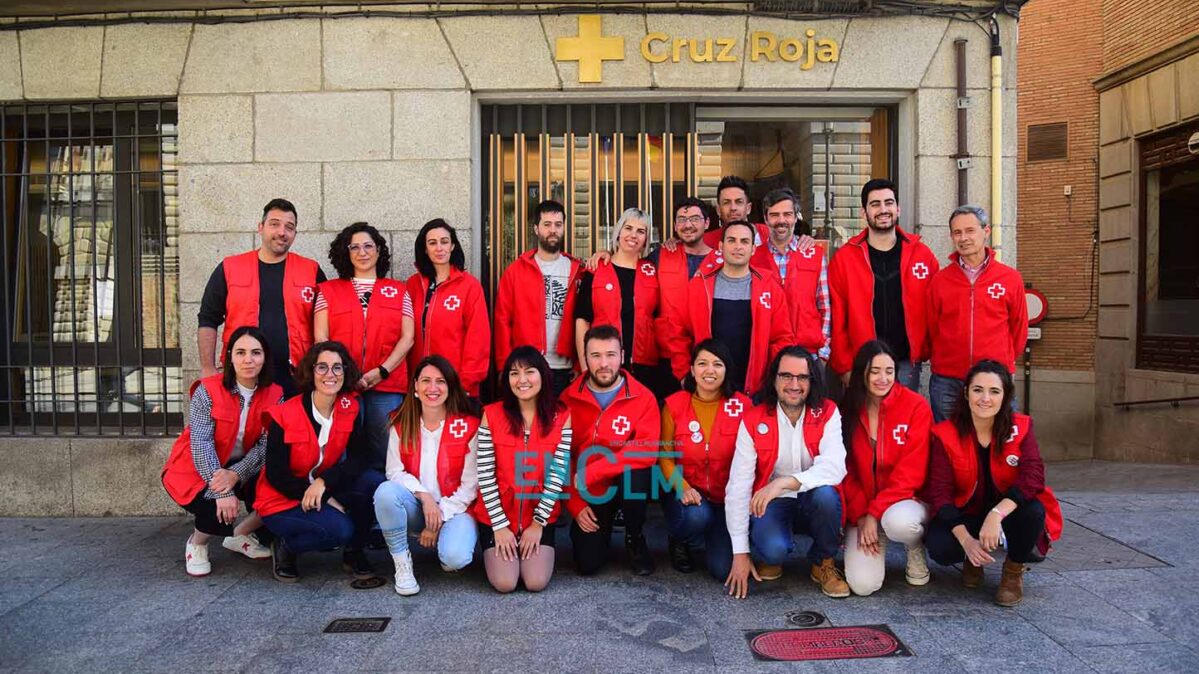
406,584
247,545
917,569
196,558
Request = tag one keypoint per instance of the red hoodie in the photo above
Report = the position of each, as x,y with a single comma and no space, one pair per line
458,327
969,322
851,293
895,469
520,300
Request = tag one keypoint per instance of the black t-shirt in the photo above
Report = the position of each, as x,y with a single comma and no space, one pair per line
584,310
889,323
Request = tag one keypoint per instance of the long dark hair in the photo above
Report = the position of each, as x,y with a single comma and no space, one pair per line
229,374
855,393
964,420
408,417
339,251
770,395
421,250
305,378
716,348
547,401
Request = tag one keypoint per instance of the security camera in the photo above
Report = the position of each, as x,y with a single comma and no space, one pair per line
1193,143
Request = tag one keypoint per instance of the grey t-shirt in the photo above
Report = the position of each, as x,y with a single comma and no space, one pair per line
732,322
556,275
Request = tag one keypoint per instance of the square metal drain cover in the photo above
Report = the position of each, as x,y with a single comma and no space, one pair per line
356,625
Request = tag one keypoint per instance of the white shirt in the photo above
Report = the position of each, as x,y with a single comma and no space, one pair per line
246,395
322,438
794,460
430,446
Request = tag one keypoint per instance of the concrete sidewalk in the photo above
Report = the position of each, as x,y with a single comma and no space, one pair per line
1118,594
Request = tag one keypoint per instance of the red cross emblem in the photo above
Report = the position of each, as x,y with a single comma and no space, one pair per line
764,299
901,429
920,271
807,253
733,407
458,428
621,425
452,303
388,291
345,403
995,290
815,412
307,294
648,269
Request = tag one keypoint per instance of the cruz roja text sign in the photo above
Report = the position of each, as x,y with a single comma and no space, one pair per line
590,48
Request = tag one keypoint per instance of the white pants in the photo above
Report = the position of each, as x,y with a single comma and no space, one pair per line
903,523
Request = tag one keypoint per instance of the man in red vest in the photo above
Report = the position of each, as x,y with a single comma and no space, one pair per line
976,311
269,287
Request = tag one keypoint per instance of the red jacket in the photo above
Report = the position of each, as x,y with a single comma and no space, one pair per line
451,453
179,476
762,422
771,324
971,322
606,305
299,292
458,326
608,442
851,293
897,466
305,451
521,468
706,462
371,341
1016,465
801,287
520,299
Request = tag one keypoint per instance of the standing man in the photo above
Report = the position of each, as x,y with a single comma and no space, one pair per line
976,310
540,282
269,287
737,305
789,462
617,428
878,283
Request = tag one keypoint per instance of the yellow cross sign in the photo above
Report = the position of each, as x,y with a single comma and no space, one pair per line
590,48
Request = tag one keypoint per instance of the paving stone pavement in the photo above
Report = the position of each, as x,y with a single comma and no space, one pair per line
1119,594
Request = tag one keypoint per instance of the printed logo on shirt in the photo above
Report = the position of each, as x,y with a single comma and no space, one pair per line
920,270
388,292
458,428
648,269
733,407
764,299
555,298
807,253
452,303
901,429
307,294
621,425
996,290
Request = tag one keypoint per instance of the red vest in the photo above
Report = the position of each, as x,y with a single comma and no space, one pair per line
1005,467
451,453
800,287
457,328
521,296
371,341
520,468
303,443
179,475
896,467
762,422
299,291
606,304
706,462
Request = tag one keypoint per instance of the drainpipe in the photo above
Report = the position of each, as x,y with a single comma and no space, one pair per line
963,156
996,141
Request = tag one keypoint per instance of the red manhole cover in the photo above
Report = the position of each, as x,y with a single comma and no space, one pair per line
827,643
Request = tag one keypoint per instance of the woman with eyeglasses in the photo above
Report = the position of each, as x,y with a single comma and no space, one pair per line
699,433
432,473
214,464
449,310
314,453
886,431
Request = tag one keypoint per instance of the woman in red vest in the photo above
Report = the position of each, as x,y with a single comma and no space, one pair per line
699,435
624,292
314,453
432,475
216,459
986,483
449,311
524,461
886,431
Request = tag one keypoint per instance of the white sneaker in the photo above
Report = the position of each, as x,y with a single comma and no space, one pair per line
917,569
406,584
247,545
196,557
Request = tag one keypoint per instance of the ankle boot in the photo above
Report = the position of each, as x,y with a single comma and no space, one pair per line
680,557
1011,584
972,576
283,563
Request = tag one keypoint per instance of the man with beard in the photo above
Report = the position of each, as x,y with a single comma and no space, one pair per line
617,428
271,288
540,282
878,285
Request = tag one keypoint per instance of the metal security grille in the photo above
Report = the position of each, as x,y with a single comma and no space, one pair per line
89,308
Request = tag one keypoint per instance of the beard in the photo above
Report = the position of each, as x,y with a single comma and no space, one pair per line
604,378
552,245
874,224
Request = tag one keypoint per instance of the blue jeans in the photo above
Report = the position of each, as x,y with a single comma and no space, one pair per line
908,374
301,531
690,524
373,412
816,513
401,515
944,394
359,500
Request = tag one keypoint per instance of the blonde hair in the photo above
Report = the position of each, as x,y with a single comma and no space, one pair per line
633,213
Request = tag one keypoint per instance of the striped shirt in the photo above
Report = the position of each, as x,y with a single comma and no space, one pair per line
203,445
363,288
490,490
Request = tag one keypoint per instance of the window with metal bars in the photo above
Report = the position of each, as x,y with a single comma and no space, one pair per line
89,308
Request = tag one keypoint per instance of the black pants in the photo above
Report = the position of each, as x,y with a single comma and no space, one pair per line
1022,528
591,549
359,500
657,378
561,379
205,509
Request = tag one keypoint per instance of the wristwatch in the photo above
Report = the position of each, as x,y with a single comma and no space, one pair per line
383,373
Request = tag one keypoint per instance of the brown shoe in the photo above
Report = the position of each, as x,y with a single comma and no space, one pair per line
1011,584
830,579
972,576
769,571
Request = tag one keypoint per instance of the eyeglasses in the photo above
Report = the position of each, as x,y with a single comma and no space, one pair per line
788,378
362,247
324,368
693,219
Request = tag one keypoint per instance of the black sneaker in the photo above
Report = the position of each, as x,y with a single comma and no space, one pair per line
680,557
283,563
355,562
639,558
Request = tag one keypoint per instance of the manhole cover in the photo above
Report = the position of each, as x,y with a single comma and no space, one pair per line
357,625
826,643
367,583
805,619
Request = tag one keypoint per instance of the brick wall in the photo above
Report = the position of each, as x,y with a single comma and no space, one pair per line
1134,29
